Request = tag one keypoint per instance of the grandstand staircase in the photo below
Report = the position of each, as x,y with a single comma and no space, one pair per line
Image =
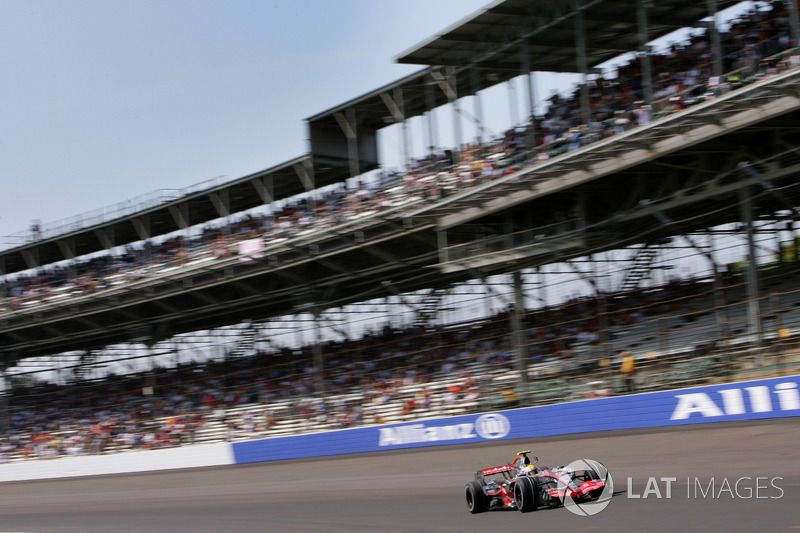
87,363
642,266
429,307
246,343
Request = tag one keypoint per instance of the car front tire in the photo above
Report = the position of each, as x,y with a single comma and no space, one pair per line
525,495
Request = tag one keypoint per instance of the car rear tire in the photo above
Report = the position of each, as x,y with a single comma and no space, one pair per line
477,502
525,495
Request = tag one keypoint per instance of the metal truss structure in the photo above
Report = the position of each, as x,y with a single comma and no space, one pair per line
726,160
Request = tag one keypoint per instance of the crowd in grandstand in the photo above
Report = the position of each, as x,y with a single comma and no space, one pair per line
47,420
682,76
87,417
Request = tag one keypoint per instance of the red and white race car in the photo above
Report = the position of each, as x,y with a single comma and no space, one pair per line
525,486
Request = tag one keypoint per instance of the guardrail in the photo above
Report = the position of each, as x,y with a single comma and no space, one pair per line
751,400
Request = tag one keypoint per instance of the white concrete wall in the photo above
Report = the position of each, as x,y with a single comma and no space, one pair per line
121,463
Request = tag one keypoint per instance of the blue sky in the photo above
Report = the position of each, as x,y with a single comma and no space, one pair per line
105,100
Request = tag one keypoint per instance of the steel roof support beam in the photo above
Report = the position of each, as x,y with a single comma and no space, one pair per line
347,122
768,186
396,106
305,173
221,202
180,214
265,188
719,294
591,279
67,247
105,236
142,226
382,254
31,257
554,14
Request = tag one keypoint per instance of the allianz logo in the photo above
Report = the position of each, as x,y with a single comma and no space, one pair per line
760,399
487,426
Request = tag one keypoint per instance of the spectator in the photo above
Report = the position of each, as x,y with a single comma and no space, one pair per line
628,369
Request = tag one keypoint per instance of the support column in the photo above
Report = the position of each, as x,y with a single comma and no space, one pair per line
530,140
720,304
716,47
794,23
5,393
518,333
478,106
318,358
602,309
150,379
513,112
404,139
431,117
452,98
644,49
352,143
542,286
580,49
753,303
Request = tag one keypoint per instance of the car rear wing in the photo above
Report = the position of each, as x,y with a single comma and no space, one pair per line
494,470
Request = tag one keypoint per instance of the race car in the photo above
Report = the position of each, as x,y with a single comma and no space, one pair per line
524,486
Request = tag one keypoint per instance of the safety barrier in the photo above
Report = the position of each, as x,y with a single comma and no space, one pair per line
750,400
768,398
120,463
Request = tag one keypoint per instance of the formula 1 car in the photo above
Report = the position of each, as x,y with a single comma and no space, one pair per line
524,486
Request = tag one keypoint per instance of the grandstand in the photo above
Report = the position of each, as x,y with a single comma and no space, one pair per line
163,325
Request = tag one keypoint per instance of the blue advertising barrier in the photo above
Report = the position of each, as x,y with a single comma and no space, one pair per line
752,400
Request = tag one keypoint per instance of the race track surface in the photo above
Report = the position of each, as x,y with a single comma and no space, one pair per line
422,489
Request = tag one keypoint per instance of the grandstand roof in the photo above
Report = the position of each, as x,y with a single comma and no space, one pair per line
97,233
378,115
494,37
492,40
372,109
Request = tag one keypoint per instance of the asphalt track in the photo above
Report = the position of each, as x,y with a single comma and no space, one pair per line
422,489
